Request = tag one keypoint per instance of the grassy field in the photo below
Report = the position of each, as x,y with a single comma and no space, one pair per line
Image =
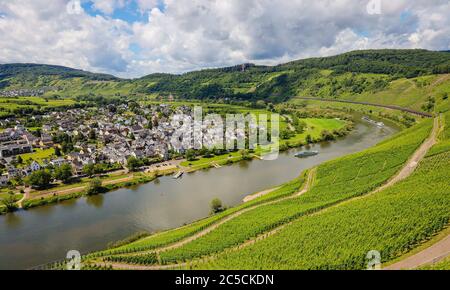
39,155
409,93
314,128
8,105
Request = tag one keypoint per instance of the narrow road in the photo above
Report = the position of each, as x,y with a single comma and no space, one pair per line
423,114
431,255
26,195
81,188
415,159
259,194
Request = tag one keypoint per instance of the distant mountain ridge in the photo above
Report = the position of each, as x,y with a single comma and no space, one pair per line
14,69
348,73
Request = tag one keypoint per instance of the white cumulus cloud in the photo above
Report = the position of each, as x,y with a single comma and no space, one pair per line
182,35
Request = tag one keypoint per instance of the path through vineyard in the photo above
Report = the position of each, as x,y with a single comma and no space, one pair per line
435,252
430,255
306,187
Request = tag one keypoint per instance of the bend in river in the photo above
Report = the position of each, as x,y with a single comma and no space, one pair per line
45,234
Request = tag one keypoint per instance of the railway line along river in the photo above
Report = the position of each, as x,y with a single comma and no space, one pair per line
45,234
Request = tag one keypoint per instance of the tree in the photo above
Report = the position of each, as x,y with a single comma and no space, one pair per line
19,159
216,206
94,187
190,155
58,151
245,154
9,202
63,173
300,127
327,136
92,135
40,179
89,170
133,163
67,147
309,139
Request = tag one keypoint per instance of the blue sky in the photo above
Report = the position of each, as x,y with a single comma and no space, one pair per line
132,38
130,12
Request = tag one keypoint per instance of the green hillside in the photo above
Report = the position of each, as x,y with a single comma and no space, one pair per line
407,77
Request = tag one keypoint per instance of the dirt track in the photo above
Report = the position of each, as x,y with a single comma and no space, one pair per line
415,159
431,255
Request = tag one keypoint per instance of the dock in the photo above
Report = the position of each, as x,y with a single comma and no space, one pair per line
367,119
216,165
178,175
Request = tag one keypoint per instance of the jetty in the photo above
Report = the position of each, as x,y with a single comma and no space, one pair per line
215,165
179,174
378,124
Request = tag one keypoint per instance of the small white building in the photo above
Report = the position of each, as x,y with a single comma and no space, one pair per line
4,180
35,166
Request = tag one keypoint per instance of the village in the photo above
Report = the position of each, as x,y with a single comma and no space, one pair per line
108,137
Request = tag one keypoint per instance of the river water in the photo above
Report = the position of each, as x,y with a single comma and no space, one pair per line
45,234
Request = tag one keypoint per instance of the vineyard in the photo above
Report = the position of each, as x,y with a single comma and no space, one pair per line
444,265
172,236
336,181
444,137
341,237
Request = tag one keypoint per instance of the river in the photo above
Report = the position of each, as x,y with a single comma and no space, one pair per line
45,234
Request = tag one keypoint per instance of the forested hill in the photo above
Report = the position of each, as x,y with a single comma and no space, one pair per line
349,73
398,63
17,69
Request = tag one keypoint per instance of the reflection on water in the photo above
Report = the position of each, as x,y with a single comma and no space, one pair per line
243,164
69,203
96,201
41,235
13,220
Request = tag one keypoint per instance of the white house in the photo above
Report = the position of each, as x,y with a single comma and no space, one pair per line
35,166
4,180
58,162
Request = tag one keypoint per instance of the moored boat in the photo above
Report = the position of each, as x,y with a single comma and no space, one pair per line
305,154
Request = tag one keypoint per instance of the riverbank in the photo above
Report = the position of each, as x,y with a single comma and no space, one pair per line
45,233
337,129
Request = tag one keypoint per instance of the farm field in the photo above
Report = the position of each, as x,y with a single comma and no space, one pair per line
409,93
9,105
39,155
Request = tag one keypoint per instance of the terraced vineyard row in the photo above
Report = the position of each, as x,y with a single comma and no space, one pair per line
336,181
444,144
392,222
173,236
